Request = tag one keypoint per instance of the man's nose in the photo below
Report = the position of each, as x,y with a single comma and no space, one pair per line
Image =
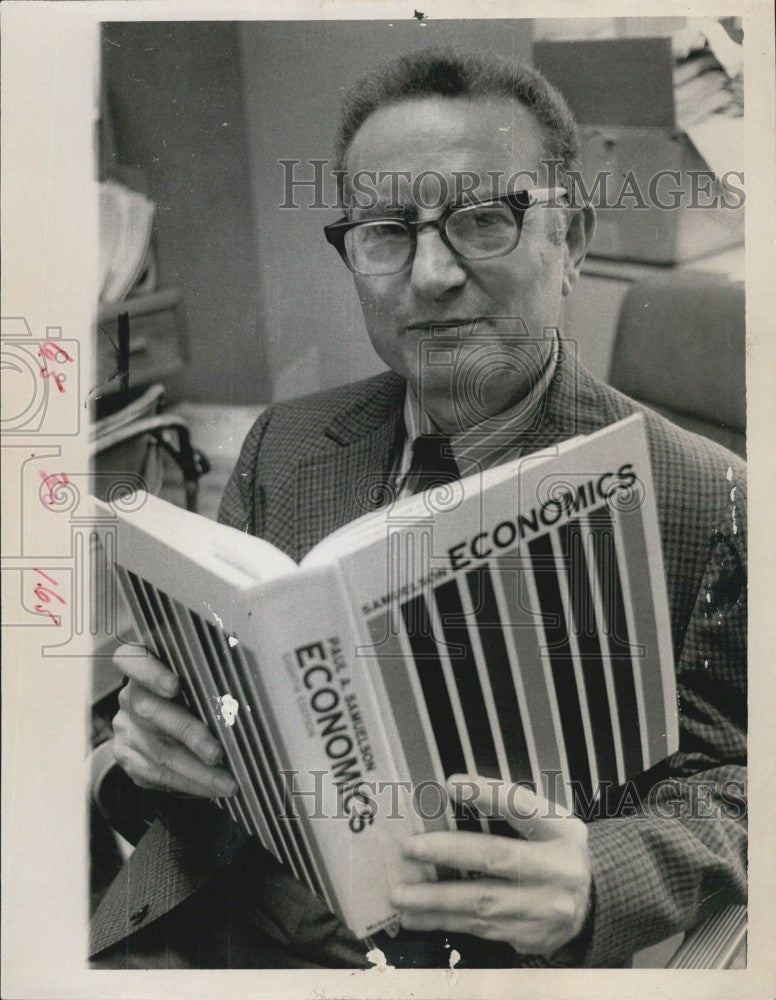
436,270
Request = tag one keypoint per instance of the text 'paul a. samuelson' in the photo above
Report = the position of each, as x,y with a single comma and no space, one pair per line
326,678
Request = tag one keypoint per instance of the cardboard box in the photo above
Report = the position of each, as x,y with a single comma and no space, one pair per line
662,202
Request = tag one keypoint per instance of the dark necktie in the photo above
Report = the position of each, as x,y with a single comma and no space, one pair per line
432,463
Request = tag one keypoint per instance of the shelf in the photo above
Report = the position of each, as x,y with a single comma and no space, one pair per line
157,346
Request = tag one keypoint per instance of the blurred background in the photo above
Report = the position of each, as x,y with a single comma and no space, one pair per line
197,115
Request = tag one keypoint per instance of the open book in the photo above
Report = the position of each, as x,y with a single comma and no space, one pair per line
512,624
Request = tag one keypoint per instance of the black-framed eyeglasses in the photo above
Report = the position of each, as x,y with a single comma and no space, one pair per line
474,231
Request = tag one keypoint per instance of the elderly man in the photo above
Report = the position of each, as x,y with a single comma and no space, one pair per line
454,223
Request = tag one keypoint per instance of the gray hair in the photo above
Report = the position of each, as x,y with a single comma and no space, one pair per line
448,73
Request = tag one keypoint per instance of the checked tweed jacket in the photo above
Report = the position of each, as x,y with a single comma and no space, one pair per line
311,465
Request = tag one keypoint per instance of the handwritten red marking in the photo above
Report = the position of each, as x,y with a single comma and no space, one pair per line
45,594
45,611
58,377
51,482
54,353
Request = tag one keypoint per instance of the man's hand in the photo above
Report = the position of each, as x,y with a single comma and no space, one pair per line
534,892
157,741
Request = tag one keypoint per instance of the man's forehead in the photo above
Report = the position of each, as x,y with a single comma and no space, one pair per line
480,137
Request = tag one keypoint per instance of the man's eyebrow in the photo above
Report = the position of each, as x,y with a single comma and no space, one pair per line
381,209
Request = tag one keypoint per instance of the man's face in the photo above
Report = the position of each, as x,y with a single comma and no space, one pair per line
480,302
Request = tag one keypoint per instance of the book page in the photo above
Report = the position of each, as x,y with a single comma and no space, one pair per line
204,542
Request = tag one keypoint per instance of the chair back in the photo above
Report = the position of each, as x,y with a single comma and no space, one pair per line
680,349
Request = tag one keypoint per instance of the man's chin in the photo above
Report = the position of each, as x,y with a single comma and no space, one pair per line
466,394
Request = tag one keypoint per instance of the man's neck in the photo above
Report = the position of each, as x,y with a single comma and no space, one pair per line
455,417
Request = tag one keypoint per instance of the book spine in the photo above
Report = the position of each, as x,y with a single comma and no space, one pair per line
338,767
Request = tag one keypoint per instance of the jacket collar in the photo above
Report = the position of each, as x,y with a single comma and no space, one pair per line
576,401
573,404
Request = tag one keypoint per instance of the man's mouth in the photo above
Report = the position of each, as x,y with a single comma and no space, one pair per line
427,326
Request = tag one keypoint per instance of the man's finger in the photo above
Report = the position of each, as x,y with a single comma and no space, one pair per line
500,857
487,899
151,774
524,936
146,670
531,815
213,780
174,758
173,720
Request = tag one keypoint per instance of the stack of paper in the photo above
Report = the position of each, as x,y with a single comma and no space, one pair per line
126,224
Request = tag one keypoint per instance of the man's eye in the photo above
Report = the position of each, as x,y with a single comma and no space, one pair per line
380,231
486,220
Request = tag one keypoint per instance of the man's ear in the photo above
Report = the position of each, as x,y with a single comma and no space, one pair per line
578,236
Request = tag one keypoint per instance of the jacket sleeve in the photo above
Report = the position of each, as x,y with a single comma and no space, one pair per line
671,852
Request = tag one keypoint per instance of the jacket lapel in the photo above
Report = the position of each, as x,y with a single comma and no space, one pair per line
353,475
173,859
575,403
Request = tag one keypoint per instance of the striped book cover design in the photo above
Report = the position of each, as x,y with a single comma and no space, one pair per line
207,664
532,666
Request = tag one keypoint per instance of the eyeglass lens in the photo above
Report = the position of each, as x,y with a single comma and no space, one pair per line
474,231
